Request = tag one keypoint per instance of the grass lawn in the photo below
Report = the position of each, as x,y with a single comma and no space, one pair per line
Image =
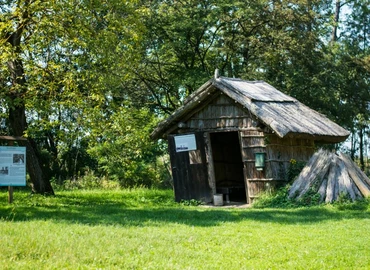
145,229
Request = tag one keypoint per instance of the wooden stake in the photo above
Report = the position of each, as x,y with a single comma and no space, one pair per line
318,172
330,188
356,179
10,195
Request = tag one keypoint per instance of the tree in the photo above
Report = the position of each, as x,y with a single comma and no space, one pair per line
56,63
124,150
355,59
276,41
176,52
14,29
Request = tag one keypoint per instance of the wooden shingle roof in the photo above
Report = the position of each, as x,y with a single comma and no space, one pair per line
281,113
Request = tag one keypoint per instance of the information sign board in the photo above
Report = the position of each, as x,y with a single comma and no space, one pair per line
12,166
185,143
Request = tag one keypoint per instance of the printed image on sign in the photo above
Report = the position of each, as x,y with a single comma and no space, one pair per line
185,143
12,166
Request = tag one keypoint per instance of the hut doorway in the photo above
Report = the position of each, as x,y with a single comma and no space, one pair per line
228,166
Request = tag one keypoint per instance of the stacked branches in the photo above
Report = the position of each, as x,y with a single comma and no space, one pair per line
331,176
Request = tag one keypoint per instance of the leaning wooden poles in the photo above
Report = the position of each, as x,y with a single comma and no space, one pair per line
331,176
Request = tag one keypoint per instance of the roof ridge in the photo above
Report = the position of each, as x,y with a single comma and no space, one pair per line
240,80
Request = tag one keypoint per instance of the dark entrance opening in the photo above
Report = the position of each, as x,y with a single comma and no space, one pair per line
228,166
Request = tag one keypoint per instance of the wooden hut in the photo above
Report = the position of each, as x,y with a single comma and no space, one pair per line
237,138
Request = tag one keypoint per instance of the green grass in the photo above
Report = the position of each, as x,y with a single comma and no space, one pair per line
145,229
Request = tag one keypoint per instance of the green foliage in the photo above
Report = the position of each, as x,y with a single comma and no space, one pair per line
344,203
280,199
124,150
294,169
186,41
191,202
88,181
274,199
59,61
310,198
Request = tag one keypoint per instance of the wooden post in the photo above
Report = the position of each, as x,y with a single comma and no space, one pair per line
10,195
10,188
210,165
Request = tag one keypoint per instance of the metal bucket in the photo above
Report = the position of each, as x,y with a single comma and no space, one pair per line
218,199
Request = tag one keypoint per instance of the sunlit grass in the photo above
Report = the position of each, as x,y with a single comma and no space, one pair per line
145,229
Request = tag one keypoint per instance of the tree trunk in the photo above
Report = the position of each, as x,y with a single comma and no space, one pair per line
17,111
334,35
361,135
353,144
18,125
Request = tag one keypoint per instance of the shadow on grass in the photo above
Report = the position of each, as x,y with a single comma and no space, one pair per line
106,211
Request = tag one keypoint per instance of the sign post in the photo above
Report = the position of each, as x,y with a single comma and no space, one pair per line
12,168
10,195
10,188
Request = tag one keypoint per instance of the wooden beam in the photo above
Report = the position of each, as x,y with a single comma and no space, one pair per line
354,176
332,176
13,138
210,164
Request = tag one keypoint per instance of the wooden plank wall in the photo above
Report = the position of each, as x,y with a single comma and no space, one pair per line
279,153
221,114
252,141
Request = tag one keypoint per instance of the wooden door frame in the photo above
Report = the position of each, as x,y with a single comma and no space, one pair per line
210,163
246,182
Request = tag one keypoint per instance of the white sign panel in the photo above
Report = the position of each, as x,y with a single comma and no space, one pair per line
185,143
12,166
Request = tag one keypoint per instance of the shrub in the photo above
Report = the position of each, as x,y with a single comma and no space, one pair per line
294,169
90,181
345,203
125,151
274,199
280,199
191,202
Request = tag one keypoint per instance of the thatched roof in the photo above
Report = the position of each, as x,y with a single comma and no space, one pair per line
331,176
281,113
